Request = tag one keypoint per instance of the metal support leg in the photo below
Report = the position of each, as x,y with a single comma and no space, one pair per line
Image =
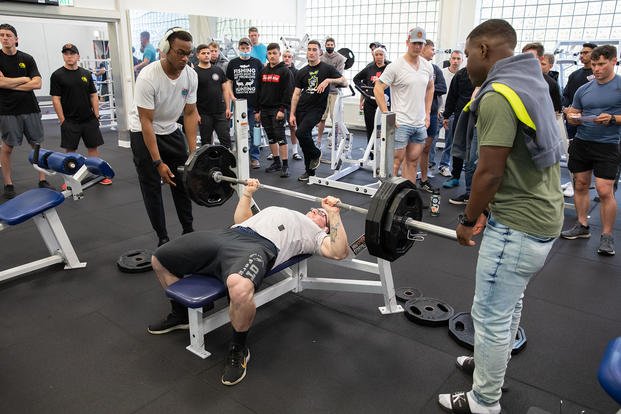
197,333
388,288
56,239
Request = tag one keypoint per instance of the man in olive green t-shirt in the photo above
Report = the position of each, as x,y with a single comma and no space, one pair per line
524,200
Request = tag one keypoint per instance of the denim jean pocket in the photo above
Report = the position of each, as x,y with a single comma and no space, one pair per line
533,253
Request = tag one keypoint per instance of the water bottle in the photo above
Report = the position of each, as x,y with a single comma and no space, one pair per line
434,206
256,135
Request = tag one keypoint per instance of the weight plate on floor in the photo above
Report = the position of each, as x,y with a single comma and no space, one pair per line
135,261
428,311
461,329
404,294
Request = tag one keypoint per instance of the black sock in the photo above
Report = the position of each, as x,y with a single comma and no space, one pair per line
276,159
239,338
285,163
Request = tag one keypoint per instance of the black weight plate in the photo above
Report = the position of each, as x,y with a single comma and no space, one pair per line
350,58
461,329
428,311
135,261
404,294
375,220
198,175
406,204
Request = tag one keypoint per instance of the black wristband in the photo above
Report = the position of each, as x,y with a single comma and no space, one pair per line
157,163
463,220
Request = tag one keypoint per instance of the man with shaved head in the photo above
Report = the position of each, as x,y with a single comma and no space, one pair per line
515,197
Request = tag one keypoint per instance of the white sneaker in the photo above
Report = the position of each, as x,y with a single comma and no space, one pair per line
569,190
564,186
445,171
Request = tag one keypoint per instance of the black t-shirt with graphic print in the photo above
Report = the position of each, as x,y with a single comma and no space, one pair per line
307,79
75,88
14,102
245,76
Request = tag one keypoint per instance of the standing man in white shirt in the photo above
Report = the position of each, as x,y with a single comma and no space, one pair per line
165,90
410,79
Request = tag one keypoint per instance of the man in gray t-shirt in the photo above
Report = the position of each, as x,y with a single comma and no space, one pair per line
332,58
241,256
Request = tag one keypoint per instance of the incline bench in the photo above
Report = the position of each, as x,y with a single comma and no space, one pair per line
40,205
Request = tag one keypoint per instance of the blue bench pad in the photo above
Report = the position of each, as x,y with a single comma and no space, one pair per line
99,167
196,291
29,204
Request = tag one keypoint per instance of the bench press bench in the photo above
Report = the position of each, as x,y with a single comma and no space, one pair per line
40,205
197,291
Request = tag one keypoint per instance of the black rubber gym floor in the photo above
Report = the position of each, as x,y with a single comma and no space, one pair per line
76,341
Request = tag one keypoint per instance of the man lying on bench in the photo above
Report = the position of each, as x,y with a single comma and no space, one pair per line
241,255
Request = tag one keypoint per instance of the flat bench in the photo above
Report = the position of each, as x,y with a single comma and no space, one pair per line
197,291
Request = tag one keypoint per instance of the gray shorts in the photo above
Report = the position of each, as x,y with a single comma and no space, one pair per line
14,127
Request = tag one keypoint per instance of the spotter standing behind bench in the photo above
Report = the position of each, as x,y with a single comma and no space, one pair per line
241,256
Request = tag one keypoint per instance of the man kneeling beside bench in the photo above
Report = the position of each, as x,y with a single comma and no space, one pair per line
241,256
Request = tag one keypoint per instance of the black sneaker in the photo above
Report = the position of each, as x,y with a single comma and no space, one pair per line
314,163
171,323
284,172
276,166
303,177
577,231
235,365
426,186
9,191
45,184
460,200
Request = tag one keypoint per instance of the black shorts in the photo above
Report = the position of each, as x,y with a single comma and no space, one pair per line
603,159
219,253
71,132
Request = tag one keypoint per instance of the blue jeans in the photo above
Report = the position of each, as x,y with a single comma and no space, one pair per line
255,151
507,260
448,143
471,163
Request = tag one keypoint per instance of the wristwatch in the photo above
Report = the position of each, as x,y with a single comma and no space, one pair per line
613,121
463,220
157,163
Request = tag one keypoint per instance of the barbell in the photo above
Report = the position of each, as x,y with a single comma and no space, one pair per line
395,210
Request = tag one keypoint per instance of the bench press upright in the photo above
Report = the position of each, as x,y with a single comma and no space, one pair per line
197,291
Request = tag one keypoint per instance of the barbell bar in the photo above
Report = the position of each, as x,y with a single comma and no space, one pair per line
408,222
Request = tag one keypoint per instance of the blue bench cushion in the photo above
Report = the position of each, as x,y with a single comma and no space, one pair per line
609,374
99,167
196,291
29,204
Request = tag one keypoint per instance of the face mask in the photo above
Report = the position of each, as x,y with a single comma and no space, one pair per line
244,54
329,49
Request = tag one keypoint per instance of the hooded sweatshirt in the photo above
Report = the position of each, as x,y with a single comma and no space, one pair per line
275,87
519,79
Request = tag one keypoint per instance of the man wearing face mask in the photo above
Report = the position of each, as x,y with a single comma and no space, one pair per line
243,74
336,60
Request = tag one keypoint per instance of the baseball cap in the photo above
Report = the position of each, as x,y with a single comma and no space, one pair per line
417,35
70,47
244,40
373,45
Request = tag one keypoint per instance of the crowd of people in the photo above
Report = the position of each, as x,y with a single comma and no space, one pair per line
500,112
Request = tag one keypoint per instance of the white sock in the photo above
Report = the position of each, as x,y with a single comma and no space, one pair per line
294,148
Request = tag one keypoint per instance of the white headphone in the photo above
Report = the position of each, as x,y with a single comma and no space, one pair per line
164,44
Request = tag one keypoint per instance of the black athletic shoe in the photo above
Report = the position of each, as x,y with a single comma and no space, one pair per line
45,184
275,166
426,186
284,172
171,323
9,191
303,177
235,365
314,163
460,200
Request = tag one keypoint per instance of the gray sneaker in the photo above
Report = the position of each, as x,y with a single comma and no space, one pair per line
606,245
577,231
